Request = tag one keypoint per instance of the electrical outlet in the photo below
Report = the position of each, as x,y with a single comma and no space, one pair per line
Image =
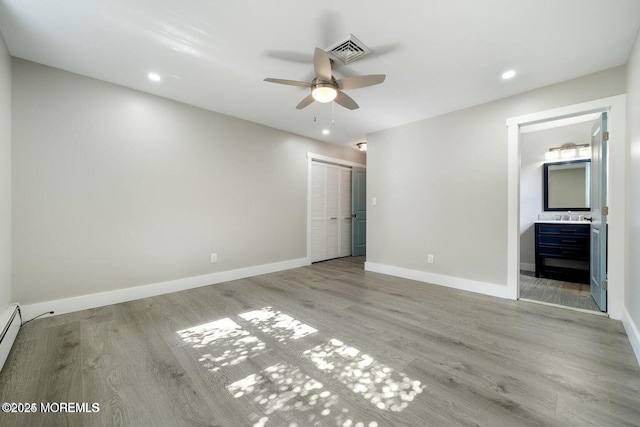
214,258
430,258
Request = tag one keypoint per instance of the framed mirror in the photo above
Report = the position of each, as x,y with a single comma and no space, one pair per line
567,185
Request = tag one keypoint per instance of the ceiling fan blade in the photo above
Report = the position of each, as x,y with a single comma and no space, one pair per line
288,82
356,82
322,65
346,101
306,101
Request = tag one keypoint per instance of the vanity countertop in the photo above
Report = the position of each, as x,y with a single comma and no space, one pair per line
558,221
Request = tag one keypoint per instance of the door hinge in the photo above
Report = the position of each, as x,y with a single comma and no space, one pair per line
605,285
605,136
605,210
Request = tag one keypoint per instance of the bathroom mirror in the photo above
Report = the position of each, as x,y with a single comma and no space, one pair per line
567,185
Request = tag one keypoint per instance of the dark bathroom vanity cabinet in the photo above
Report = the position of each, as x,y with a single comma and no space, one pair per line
562,250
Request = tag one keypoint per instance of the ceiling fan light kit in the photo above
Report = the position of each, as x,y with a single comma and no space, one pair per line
325,88
324,92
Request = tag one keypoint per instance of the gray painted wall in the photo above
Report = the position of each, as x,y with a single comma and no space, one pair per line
115,188
5,174
632,290
533,146
441,183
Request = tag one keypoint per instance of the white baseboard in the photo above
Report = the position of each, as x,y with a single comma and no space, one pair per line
527,267
484,288
633,332
84,302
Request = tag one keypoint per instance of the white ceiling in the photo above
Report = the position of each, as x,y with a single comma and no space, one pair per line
438,55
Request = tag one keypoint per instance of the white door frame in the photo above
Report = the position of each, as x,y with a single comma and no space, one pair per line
324,159
616,106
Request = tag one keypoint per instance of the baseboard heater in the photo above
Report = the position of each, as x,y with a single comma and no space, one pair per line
10,321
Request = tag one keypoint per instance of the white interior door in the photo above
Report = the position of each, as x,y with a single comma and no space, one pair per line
330,211
598,213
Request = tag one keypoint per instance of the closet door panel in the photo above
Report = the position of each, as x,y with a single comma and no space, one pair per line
333,211
318,240
318,190
345,212
333,191
330,211
318,212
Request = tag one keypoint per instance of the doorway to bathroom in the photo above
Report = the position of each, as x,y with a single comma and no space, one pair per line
556,173
613,224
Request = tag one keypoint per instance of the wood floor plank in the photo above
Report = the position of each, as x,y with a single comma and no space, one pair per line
50,372
135,377
474,403
327,345
481,360
18,376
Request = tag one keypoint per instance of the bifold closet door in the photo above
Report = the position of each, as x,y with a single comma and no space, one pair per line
333,210
318,212
330,211
345,212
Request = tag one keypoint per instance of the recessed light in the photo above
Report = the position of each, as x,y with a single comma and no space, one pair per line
508,74
153,76
325,131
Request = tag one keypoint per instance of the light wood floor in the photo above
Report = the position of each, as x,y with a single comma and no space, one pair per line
569,294
327,344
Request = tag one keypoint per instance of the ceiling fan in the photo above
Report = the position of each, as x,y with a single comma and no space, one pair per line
325,88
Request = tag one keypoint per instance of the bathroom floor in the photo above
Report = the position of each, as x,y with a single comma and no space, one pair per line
576,295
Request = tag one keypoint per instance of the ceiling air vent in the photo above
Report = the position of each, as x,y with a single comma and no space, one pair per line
348,49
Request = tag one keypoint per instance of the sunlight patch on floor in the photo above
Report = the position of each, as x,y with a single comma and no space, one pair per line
279,325
227,344
362,374
284,388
